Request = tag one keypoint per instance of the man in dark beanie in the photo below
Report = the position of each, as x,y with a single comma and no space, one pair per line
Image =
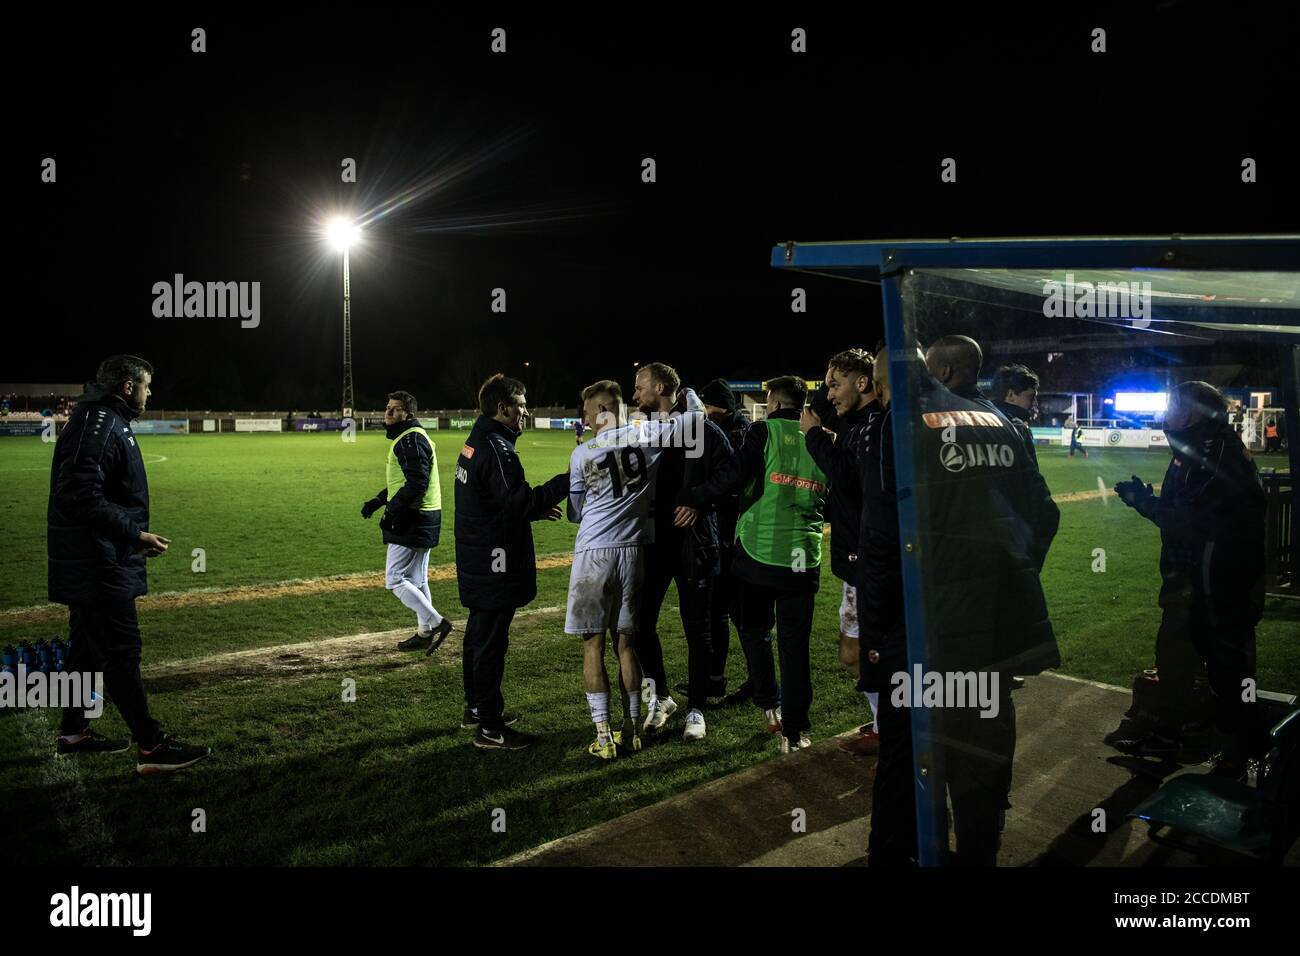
1210,512
98,540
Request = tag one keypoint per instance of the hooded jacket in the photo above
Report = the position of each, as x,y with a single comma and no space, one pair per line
98,506
1211,515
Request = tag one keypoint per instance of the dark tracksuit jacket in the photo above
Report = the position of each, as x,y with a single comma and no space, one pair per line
838,457
495,508
1048,520
978,553
99,504
1211,514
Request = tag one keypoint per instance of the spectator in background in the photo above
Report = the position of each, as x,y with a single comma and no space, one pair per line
1272,438
1075,434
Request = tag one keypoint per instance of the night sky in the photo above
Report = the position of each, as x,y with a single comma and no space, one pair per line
523,171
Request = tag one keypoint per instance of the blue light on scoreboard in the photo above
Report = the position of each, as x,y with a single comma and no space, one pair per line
1148,402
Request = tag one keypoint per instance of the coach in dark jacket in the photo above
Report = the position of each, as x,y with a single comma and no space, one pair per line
1211,515
955,362
98,540
981,598
496,566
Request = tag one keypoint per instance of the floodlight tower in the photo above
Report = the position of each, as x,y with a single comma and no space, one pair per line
343,233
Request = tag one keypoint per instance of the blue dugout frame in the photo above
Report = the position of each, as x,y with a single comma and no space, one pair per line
885,261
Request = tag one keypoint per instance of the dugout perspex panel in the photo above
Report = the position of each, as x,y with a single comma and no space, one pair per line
1220,309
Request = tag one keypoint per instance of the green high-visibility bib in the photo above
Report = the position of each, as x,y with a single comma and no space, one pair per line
781,513
433,495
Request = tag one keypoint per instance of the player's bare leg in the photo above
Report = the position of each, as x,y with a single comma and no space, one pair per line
629,676
596,682
849,654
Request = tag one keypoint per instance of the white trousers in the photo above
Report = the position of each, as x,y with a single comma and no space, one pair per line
407,575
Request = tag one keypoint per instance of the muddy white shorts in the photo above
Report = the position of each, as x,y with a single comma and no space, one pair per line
604,590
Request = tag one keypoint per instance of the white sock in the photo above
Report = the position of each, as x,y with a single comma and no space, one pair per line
873,699
632,704
599,704
415,598
428,596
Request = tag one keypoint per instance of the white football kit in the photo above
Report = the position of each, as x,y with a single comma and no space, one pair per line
611,496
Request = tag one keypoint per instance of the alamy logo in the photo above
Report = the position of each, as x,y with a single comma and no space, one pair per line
211,300
25,688
1098,300
103,909
952,689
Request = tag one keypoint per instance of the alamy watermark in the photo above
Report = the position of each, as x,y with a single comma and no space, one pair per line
1098,300
947,690
657,430
22,688
208,300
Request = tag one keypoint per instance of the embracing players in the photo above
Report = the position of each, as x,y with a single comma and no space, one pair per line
611,496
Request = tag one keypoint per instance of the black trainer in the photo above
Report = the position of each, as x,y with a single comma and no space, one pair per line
742,694
416,642
439,635
716,689
91,743
1151,745
504,739
169,754
469,720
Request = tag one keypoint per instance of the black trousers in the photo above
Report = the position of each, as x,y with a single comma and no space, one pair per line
663,567
791,612
893,793
725,609
106,635
1227,646
977,755
483,664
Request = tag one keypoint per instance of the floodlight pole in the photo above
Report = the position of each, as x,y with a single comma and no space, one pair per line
347,338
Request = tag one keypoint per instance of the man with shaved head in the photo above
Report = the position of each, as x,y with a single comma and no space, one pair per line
955,361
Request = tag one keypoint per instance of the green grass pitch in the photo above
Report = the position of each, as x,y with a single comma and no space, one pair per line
298,776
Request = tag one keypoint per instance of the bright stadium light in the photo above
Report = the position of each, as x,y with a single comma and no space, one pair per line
342,233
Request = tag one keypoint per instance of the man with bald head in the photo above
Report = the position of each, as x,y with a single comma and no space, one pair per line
955,361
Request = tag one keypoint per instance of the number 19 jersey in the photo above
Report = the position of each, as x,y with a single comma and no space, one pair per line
612,482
